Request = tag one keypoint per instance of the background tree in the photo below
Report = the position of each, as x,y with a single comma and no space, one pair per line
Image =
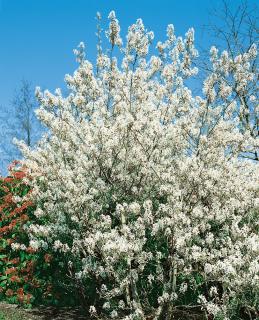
24,104
236,30
19,121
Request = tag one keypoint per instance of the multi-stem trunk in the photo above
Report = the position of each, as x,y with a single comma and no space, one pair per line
132,296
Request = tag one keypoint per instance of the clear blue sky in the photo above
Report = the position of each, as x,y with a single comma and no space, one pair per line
37,36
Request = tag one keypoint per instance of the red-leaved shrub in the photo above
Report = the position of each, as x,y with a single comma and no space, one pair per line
21,280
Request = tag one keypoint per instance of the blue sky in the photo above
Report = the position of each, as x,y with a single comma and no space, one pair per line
37,36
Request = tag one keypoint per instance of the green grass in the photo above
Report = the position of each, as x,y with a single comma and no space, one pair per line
12,315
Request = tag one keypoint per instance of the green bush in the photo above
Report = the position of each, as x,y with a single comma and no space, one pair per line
27,276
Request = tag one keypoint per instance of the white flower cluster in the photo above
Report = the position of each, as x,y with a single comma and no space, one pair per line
143,180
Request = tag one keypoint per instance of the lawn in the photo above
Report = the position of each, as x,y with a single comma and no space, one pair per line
12,312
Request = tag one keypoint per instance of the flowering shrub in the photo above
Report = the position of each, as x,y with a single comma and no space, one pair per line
26,276
16,270
148,191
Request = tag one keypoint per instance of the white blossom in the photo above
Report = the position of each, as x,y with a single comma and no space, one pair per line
137,171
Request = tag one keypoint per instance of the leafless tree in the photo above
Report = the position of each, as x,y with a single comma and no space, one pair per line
18,120
234,27
24,104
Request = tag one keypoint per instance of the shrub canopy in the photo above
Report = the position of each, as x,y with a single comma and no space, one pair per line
149,190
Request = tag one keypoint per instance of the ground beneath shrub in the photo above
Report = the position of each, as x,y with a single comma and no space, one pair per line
14,312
